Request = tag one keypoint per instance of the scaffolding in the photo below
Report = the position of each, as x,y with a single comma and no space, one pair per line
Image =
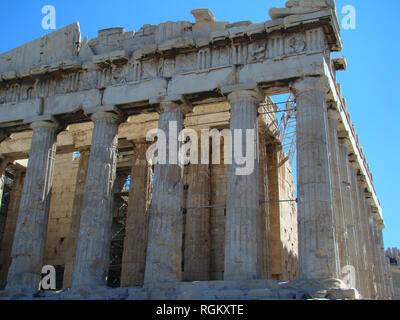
287,129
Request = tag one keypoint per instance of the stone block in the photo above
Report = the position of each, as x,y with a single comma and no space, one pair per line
262,294
277,13
310,3
341,294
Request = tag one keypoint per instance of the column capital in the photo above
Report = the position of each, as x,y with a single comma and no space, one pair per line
243,91
333,114
166,106
104,115
362,182
310,83
44,124
354,164
381,226
104,112
43,121
172,103
239,95
369,200
345,141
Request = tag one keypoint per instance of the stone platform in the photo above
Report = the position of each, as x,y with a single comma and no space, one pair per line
330,289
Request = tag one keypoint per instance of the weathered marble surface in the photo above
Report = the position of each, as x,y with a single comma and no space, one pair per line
164,251
318,246
93,249
208,290
243,216
137,219
30,235
125,71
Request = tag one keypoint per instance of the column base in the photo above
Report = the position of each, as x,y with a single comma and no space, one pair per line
326,289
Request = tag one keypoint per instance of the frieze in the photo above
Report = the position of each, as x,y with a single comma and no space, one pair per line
122,67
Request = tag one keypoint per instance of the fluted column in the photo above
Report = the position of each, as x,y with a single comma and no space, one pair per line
340,220
382,256
349,209
372,246
197,252
30,236
75,219
93,249
318,247
164,250
367,237
377,258
137,220
362,251
242,233
390,280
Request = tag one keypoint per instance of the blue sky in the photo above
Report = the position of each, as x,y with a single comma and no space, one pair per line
369,84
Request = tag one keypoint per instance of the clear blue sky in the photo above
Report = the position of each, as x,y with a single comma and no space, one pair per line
369,84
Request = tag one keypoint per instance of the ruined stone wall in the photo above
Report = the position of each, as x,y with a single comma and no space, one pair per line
288,221
62,198
218,196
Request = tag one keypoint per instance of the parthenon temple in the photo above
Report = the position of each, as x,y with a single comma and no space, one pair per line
79,192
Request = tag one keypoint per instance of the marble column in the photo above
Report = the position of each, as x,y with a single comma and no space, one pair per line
30,236
11,223
137,219
382,256
377,258
218,215
372,249
93,249
362,251
318,247
75,219
197,246
243,217
164,250
390,280
343,243
367,237
349,210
